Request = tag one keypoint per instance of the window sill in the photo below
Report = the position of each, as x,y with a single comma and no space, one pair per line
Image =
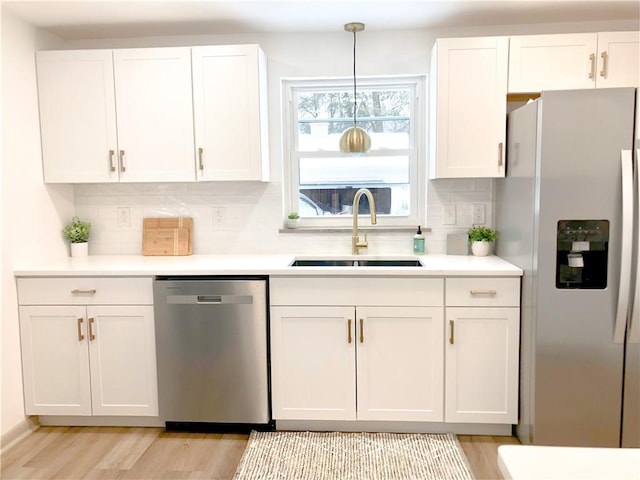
366,229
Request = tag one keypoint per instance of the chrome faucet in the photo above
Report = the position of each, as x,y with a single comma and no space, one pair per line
356,243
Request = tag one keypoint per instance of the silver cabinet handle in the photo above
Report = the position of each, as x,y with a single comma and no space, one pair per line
349,331
592,59
500,152
603,72
123,168
76,291
451,327
200,162
112,167
482,292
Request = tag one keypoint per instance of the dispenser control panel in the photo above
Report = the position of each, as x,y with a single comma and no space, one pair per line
582,251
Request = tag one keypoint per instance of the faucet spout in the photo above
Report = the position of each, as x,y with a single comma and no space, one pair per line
356,243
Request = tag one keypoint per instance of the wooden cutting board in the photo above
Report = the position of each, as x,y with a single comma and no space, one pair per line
167,236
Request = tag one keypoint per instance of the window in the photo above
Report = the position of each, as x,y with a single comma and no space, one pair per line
320,181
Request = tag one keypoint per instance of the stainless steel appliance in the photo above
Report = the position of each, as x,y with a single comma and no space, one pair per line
567,214
212,356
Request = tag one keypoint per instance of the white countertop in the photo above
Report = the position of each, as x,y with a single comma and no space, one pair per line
528,462
274,265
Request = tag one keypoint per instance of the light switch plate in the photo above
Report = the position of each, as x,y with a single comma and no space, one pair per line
449,214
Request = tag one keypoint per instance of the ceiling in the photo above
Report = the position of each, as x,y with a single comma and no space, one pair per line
110,18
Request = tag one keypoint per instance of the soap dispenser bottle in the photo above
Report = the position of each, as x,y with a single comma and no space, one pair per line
418,241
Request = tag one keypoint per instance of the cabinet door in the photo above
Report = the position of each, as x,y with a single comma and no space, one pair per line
313,363
618,59
481,358
400,363
155,114
55,360
468,120
552,62
123,360
229,88
77,116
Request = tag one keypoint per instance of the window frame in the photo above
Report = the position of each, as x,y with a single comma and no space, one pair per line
417,151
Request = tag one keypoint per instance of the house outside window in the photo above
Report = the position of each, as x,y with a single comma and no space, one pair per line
320,181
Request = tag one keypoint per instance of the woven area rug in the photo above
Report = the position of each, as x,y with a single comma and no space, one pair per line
352,456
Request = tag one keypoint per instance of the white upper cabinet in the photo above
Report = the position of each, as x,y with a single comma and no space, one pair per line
573,61
121,115
77,116
468,107
230,111
154,114
618,59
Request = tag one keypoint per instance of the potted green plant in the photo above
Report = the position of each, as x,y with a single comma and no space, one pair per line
78,232
293,220
481,240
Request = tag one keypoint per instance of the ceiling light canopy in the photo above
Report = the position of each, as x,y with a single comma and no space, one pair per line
354,139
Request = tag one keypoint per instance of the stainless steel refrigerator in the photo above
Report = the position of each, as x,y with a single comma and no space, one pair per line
567,214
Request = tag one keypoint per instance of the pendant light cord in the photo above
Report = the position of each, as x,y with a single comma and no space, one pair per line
354,80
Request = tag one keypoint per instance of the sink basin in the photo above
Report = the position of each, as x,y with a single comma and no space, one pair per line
365,262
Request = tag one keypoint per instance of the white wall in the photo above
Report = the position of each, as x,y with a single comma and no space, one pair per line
31,214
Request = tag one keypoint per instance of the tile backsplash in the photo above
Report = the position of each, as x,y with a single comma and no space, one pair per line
245,217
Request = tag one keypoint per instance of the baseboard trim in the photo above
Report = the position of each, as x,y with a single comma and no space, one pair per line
396,427
98,421
18,433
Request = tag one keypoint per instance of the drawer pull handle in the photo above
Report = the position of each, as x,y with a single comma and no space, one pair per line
80,335
500,153
91,335
483,292
362,330
592,59
349,331
77,291
123,168
451,327
200,162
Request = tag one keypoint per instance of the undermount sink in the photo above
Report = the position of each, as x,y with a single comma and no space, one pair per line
365,262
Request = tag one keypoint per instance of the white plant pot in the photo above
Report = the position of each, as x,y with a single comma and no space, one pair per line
79,249
293,222
481,249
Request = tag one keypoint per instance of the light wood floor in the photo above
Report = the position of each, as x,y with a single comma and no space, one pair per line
70,453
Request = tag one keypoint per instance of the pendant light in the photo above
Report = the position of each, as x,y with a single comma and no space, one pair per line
354,139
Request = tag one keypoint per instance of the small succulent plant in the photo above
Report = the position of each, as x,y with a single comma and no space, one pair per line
478,233
77,231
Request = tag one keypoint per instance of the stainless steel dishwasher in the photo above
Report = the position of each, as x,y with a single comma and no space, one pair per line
212,353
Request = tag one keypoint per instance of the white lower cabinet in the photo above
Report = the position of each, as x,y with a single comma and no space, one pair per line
357,363
84,359
482,350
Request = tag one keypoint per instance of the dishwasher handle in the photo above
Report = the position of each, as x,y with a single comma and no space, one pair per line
210,299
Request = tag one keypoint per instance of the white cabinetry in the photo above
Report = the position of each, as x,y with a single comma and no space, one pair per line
88,346
230,111
375,340
482,352
123,115
573,61
468,107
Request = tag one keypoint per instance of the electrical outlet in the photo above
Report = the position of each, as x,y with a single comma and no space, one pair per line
449,214
477,214
124,217
219,215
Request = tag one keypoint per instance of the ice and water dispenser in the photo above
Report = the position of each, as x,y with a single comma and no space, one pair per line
582,252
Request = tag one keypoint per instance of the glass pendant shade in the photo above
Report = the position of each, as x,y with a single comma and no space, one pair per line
354,139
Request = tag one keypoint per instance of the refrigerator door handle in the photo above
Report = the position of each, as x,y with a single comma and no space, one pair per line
634,328
626,254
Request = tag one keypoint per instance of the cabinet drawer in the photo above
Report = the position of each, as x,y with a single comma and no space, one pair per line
483,292
351,291
85,291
